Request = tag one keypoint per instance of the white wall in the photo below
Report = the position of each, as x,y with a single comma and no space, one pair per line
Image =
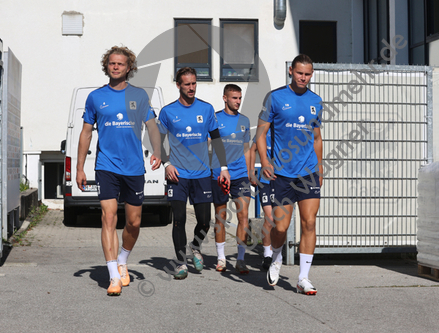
54,64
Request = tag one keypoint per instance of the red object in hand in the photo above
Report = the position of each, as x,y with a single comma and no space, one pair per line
225,186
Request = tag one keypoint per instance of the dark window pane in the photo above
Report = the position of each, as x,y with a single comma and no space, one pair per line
416,21
418,55
192,43
318,39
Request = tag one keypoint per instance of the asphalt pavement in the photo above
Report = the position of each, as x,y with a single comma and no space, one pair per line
57,283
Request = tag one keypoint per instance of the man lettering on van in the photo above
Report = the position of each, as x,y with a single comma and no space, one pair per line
119,110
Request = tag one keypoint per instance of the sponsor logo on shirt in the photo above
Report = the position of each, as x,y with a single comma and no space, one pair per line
188,129
233,135
176,119
120,123
133,105
301,119
222,126
199,119
289,125
313,109
103,105
286,107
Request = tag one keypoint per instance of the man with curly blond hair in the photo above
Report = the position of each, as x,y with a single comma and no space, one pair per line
118,109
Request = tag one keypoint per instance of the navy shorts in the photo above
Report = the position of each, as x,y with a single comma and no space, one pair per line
198,190
238,188
127,189
290,190
266,194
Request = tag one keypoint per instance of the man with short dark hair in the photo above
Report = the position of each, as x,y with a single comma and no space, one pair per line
234,129
292,114
188,122
119,110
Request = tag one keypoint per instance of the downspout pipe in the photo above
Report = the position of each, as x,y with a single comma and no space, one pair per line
280,12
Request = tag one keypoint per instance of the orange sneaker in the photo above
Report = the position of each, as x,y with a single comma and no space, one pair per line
115,287
124,276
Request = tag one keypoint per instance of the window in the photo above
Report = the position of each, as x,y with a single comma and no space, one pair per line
72,24
318,40
239,50
376,28
193,47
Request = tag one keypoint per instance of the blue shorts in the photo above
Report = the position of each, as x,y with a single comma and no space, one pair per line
198,190
266,194
127,189
238,188
290,190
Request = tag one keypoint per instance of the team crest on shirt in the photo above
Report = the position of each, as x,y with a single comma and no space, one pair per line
313,109
199,119
242,128
133,105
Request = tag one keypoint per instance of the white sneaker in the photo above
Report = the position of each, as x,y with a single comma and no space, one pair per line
304,286
273,273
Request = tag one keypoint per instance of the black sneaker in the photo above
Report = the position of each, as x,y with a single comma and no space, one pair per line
266,263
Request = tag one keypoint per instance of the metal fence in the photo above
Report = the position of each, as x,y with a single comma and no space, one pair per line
377,133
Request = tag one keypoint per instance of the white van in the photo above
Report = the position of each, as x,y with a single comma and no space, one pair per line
77,201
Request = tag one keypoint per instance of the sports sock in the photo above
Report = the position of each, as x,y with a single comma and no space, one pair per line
277,254
123,256
220,250
305,265
112,269
241,251
267,251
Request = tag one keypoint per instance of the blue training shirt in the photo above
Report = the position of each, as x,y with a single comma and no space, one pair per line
234,131
188,128
293,118
119,115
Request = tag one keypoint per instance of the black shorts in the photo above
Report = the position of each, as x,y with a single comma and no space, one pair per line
238,188
290,190
266,194
198,190
127,189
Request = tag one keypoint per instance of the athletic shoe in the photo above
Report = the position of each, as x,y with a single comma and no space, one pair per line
221,265
124,276
197,259
266,263
273,273
304,286
241,267
180,272
115,287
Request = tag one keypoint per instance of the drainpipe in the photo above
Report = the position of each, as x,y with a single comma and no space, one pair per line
280,12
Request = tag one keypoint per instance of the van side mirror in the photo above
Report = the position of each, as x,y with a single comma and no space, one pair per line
63,147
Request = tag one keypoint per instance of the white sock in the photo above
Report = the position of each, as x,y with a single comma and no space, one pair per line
241,251
112,269
277,254
305,265
267,251
220,250
123,256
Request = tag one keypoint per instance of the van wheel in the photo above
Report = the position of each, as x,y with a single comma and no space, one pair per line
165,215
70,215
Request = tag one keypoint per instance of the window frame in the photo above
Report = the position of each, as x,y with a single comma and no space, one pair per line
177,66
254,77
